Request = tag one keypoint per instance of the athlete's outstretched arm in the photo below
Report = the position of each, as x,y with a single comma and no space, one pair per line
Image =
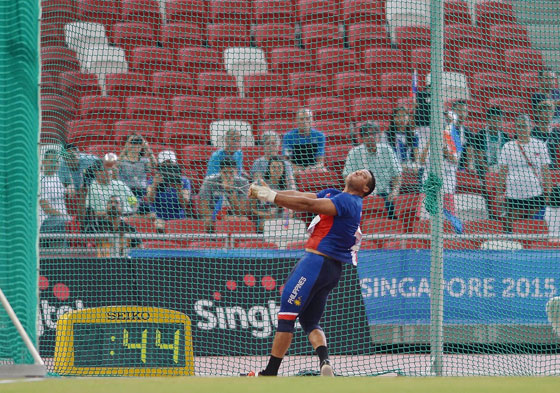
294,202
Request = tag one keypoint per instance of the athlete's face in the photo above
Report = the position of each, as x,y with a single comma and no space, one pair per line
359,180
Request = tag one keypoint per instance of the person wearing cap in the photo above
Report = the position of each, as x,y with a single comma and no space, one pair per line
135,162
232,150
304,146
169,192
72,166
380,159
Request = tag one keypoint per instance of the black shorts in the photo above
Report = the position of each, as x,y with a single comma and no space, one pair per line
534,203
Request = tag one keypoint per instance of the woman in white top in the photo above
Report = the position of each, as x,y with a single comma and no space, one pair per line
523,170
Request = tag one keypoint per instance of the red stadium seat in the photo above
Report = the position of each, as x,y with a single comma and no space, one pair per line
185,132
163,244
326,11
274,35
456,12
409,38
260,86
371,108
395,85
106,12
335,60
49,83
425,227
407,209
530,227
231,11
78,84
179,35
142,11
473,61
195,108
237,108
363,11
335,157
274,11
459,37
126,84
378,61
320,35
297,245
504,37
373,206
511,107
490,13
362,36
351,85
381,225
52,34
314,180
133,35
520,61
421,62
278,126
406,244
150,59
124,128
52,132
84,132
142,224
104,109
187,225
147,108
186,11
280,108
235,225
336,132
328,108
307,84
199,59
226,35
461,244
486,85
529,84
216,84
195,159
59,11
58,59
482,226
410,184
255,243
169,84
468,182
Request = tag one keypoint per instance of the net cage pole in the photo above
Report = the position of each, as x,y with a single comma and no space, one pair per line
436,168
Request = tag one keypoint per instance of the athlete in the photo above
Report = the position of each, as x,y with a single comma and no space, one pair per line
335,239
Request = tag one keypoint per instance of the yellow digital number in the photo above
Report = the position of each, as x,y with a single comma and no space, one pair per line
174,346
142,346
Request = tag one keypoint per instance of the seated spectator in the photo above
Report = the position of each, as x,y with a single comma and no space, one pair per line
276,176
304,146
232,149
381,160
271,143
548,91
546,131
224,194
169,192
524,172
422,113
72,167
112,222
135,162
401,137
488,142
53,217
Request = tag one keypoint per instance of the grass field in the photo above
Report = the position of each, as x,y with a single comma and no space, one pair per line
289,385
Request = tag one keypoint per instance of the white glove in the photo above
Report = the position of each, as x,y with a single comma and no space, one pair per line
262,193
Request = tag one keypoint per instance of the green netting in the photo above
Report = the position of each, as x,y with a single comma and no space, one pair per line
158,115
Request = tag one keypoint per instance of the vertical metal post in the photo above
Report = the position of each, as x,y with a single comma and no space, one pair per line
436,167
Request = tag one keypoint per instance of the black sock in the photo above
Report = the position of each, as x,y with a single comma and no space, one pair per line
322,352
272,367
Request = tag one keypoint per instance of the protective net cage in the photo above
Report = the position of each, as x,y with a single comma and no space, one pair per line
157,115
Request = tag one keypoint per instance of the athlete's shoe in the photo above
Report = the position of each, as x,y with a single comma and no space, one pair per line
326,368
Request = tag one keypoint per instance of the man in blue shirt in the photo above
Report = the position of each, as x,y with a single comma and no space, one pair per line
335,238
72,167
232,149
304,146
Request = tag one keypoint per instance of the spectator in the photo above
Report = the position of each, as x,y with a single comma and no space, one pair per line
276,177
169,192
112,222
422,113
546,131
232,149
53,217
72,167
401,136
271,143
549,92
488,143
135,162
524,172
304,146
381,160
224,194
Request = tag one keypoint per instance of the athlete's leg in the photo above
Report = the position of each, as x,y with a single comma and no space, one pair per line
281,343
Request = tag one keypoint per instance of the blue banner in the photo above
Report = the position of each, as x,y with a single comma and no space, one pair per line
481,287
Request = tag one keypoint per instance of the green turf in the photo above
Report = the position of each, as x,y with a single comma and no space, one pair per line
289,385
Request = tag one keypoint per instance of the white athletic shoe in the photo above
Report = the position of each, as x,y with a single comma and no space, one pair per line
326,368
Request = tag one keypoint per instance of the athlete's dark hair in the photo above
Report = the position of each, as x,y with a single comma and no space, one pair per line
371,184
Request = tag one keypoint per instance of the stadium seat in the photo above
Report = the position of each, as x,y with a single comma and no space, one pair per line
216,84
279,108
528,84
482,226
141,224
241,62
52,132
150,59
59,11
226,35
511,107
260,86
297,245
410,183
269,36
199,59
530,227
371,108
362,36
278,126
461,244
420,60
84,132
250,154
283,232
274,11
80,35
504,37
373,206
55,59
395,85
409,38
351,85
381,225
363,11
103,60
195,108
288,60
378,61
425,227
315,36
58,109
454,86
520,61
185,132
236,108
406,244
195,158
100,149
219,128
336,132
126,84
124,128
187,225
147,108
104,109
168,84
311,11
472,61
501,245
468,182
133,35
335,158
407,209
104,12
179,35
497,12
234,224
162,244
332,61
456,12
231,11
254,243
470,207
486,85
52,34
142,11
78,85
186,11
315,180
206,244
328,108
459,37
407,13
304,85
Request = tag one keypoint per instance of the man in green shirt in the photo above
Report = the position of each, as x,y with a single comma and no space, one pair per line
381,160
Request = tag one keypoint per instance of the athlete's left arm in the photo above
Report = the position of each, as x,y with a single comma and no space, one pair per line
303,204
